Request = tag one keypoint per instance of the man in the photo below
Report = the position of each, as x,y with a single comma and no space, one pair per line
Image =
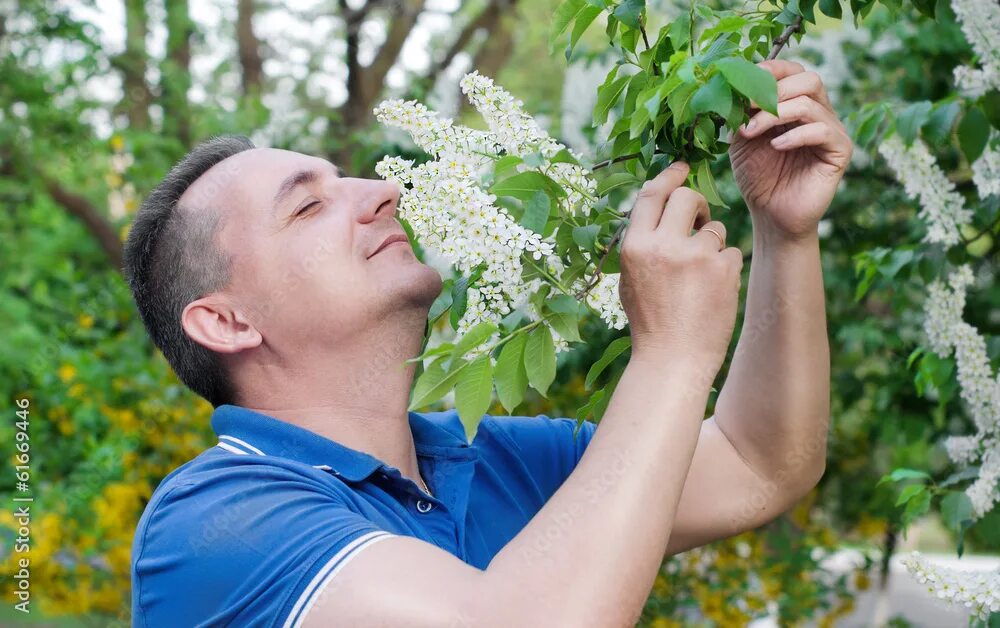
285,293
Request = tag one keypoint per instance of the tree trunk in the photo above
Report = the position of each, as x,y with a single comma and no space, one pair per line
249,49
133,63
364,83
175,79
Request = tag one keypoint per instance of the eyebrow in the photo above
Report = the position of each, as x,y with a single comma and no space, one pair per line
297,178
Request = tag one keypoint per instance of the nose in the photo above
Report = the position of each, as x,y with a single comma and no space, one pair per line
378,200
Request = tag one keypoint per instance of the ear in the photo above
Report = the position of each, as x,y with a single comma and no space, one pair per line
214,324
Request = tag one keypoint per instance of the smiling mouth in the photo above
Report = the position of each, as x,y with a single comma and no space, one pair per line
392,241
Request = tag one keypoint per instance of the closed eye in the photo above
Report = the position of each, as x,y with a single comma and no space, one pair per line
305,208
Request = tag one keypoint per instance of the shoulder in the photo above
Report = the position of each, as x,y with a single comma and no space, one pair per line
248,532
527,434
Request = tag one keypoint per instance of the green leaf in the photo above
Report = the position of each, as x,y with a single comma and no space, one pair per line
755,83
584,19
614,349
473,338
540,359
903,474
607,96
510,375
973,133
714,96
474,389
587,408
614,182
679,102
706,185
956,507
991,107
566,325
968,473
831,8
432,384
459,301
909,121
680,31
505,165
916,506
524,184
536,212
441,303
909,492
586,236
629,11
937,129
565,13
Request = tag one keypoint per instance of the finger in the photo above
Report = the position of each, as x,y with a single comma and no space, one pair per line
648,208
813,134
683,209
706,235
804,84
781,68
799,109
734,256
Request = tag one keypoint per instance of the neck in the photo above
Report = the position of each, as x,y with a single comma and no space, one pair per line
356,396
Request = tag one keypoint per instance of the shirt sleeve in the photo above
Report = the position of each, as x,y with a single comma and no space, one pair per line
250,547
547,449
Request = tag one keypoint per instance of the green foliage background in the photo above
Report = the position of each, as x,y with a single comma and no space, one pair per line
109,419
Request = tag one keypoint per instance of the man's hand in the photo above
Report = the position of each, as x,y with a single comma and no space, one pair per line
680,291
788,167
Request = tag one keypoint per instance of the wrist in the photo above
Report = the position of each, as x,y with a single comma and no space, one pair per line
768,234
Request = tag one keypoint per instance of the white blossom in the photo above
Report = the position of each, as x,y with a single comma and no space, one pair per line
978,591
980,20
451,212
942,208
948,334
986,169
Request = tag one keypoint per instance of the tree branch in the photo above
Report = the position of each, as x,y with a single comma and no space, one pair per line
95,222
486,19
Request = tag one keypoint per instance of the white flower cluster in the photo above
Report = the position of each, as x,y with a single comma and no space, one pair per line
986,169
977,590
980,21
604,298
942,208
444,201
980,387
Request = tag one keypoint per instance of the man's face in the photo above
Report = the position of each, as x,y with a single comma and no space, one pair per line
303,242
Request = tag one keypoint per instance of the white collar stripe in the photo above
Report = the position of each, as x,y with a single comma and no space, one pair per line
235,450
245,444
326,573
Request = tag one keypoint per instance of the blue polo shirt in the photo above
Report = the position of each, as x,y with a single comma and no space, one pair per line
250,532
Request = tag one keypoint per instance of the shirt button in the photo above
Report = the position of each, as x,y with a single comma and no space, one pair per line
424,506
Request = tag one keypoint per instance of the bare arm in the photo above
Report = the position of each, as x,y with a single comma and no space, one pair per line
610,520
765,447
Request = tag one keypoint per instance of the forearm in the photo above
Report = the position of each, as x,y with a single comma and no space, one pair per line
774,406
611,519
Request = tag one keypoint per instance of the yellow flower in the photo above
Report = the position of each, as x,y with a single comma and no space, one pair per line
117,143
861,580
66,427
86,321
76,391
66,372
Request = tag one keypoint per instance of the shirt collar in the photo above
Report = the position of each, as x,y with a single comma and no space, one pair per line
247,432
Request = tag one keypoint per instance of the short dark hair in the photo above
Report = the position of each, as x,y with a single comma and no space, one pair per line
171,259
